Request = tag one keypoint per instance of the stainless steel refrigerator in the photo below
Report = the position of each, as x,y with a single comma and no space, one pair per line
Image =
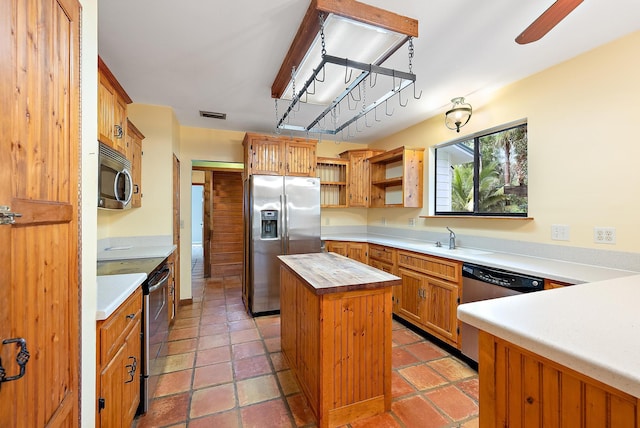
282,216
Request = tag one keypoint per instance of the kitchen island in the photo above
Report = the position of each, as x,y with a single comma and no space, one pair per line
336,334
563,357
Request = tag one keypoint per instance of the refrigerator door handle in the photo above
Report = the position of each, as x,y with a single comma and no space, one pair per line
285,208
283,225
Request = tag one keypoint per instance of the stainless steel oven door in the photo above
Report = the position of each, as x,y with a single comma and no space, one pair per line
156,330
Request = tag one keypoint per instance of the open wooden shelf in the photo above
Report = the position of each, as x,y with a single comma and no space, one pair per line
397,178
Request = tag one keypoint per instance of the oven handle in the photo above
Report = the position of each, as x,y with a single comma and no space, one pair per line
162,282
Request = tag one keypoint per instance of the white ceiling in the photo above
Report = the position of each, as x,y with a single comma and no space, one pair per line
223,56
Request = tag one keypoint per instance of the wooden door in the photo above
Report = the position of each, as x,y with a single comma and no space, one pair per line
300,158
206,220
358,251
227,224
442,305
39,171
359,179
267,156
106,119
410,304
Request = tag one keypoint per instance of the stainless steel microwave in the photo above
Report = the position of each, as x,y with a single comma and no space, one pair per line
115,186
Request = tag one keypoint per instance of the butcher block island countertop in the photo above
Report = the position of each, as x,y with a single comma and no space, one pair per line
335,316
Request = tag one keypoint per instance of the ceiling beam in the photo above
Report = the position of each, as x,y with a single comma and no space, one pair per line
310,27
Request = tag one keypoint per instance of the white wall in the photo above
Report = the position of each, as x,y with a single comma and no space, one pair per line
88,215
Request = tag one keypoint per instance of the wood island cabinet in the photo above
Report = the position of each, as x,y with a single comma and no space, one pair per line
519,388
112,110
336,335
359,176
119,364
268,155
430,294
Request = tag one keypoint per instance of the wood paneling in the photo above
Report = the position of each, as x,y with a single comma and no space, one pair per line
227,221
338,346
521,388
39,169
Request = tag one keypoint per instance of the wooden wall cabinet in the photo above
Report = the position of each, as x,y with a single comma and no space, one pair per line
359,176
119,364
112,110
267,155
397,178
134,147
519,388
354,250
333,175
430,294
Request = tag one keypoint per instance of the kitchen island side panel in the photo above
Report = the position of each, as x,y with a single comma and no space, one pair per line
338,345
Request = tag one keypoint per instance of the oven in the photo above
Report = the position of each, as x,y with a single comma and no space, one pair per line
484,283
155,295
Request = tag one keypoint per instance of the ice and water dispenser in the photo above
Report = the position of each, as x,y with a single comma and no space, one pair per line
269,224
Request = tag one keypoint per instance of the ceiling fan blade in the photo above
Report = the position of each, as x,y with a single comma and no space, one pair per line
549,19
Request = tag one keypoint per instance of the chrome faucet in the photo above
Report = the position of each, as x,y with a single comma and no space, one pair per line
452,239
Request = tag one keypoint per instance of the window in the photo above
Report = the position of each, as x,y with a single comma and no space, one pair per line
484,174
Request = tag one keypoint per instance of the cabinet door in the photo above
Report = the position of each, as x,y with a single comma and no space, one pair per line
389,268
267,157
359,179
119,126
410,305
136,171
300,158
106,120
133,369
441,306
112,390
358,251
337,247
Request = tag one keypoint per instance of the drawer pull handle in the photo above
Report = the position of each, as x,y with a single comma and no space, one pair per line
132,369
131,316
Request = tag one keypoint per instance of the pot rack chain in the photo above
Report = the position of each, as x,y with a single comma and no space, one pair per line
368,70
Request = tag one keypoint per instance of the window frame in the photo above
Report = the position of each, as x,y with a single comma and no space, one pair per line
475,137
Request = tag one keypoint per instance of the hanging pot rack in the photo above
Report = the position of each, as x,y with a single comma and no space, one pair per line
309,29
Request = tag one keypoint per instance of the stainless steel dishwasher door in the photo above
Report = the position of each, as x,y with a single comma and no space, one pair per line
474,290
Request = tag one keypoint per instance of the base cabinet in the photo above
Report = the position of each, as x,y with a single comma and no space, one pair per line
430,294
119,364
519,388
354,250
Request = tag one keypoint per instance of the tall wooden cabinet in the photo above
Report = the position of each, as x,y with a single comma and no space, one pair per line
112,110
359,178
134,143
268,155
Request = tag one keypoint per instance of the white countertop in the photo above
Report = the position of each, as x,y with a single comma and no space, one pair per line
592,328
122,252
113,290
573,273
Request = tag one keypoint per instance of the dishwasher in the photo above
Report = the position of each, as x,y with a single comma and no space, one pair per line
484,283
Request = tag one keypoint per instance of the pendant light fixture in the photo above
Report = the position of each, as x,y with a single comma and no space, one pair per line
458,115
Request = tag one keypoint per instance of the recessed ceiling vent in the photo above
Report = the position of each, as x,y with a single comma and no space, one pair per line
213,115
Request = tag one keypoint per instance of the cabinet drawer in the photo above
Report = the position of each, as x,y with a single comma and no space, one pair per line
441,268
378,252
386,267
114,329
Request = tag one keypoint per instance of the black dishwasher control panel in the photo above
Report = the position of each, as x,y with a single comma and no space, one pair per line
503,278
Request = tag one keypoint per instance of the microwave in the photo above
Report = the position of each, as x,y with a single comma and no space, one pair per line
115,185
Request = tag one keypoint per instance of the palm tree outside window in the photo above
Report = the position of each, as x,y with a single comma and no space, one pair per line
485,174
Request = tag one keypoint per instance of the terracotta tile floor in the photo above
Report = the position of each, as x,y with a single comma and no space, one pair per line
224,368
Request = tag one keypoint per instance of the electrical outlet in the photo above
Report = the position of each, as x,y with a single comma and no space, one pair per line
326,221
412,222
604,235
560,232
383,221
